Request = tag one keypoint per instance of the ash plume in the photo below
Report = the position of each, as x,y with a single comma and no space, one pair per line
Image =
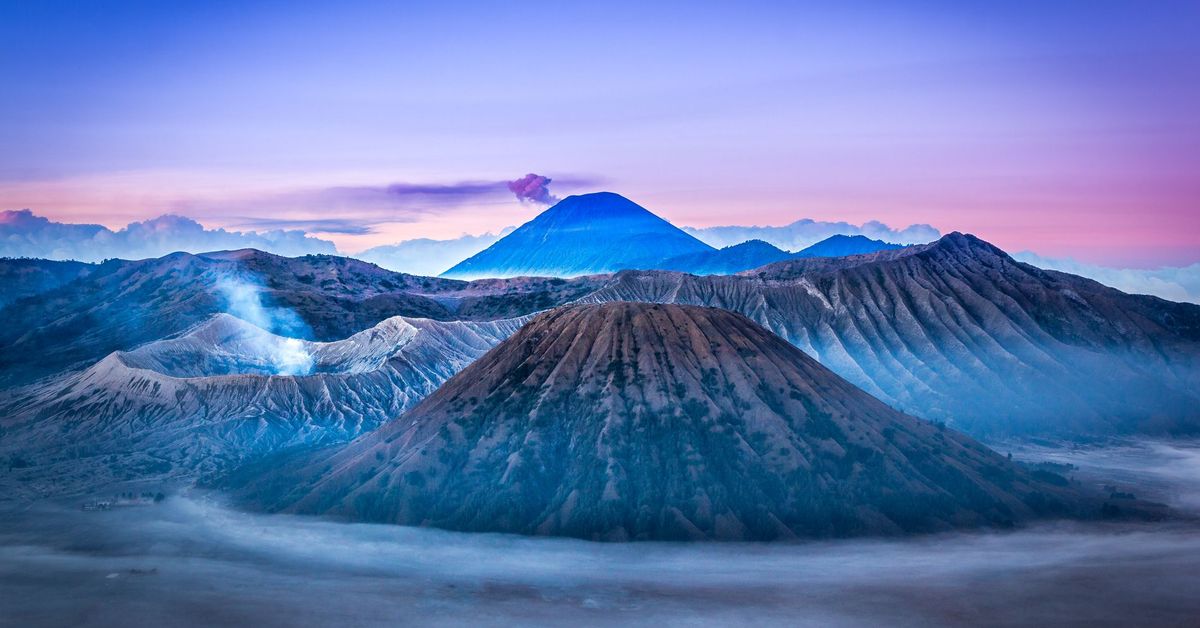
533,188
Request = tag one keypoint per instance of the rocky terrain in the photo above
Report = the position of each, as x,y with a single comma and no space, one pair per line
118,305
639,421
224,392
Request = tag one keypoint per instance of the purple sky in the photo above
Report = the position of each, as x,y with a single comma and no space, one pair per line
1067,128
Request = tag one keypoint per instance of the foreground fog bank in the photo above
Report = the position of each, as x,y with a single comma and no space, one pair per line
1164,471
191,561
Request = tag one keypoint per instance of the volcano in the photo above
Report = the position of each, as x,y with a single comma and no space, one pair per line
634,421
582,235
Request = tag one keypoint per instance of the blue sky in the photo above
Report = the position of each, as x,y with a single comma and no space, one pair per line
1063,127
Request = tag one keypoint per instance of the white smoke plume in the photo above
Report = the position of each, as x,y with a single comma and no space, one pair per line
287,355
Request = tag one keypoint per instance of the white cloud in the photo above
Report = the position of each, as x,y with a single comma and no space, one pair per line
1171,283
24,234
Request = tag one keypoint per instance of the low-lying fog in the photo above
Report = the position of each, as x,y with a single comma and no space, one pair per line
190,561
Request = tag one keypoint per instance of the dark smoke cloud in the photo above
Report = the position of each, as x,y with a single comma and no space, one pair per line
533,188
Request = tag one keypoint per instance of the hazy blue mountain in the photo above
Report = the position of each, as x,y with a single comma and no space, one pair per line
757,253
634,421
26,277
843,245
726,261
581,235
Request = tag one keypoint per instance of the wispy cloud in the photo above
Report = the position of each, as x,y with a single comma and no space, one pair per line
361,208
314,225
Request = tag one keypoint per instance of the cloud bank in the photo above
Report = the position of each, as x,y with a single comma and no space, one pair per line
806,232
24,234
1171,283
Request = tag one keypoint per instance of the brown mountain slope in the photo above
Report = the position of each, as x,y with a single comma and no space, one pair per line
959,331
638,421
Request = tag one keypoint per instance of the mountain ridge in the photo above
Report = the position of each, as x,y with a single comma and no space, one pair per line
956,330
928,328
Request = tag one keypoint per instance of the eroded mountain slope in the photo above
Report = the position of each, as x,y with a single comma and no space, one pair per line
640,421
959,331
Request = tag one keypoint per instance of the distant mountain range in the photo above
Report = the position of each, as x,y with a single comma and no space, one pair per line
844,245
226,391
630,421
582,235
756,254
804,233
